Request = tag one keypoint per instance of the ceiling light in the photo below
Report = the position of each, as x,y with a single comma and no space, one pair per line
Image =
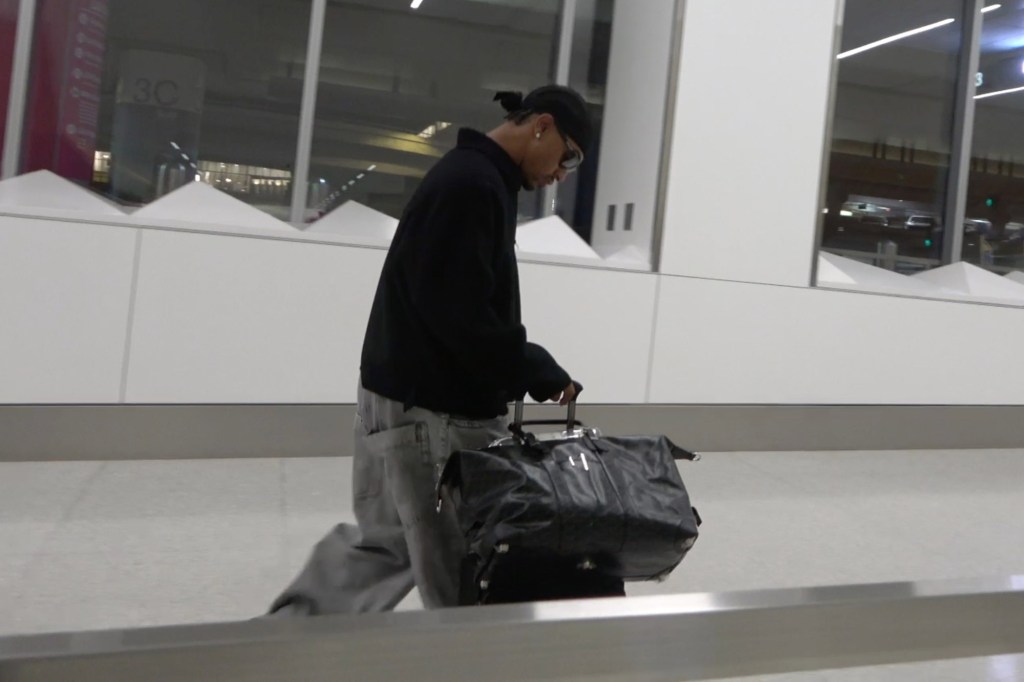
907,34
998,92
892,39
416,3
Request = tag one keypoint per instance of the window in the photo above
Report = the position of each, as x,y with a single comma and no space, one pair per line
396,85
892,131
588,75
994,222
136,97
8,26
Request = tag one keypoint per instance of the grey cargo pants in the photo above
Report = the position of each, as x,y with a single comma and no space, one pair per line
400,540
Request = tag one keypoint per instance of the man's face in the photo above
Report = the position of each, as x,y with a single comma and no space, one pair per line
549,157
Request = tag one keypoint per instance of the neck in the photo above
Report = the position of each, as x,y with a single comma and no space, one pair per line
508,138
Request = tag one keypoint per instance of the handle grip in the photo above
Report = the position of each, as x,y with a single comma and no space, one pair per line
570,421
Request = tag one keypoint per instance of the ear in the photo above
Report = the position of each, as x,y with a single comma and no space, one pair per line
543,123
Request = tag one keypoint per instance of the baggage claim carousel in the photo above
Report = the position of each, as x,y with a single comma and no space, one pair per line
693,636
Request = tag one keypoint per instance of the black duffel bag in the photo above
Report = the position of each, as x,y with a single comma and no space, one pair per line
612,505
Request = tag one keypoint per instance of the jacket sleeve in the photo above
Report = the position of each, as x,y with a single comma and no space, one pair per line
541,376
453,282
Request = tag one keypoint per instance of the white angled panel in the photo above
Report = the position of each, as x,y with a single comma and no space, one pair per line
596,323
845,273
970,279
197,202
552,236
831,270
353,219
748,140
729,342
237,320
44,189
64,294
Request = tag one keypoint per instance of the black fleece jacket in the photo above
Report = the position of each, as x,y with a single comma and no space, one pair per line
445,332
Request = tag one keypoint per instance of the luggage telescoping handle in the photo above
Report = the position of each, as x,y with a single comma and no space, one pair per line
570,421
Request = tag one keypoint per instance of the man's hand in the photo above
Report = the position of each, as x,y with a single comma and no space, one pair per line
566,395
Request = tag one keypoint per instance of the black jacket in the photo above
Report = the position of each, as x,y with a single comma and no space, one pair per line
445,331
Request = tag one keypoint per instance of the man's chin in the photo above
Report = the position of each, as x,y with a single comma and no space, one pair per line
529,186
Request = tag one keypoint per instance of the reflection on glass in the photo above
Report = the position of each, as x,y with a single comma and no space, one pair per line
994,221
892,132
396,84
588,75
138,97
8,26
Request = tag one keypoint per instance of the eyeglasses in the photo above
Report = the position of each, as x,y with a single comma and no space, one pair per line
573,156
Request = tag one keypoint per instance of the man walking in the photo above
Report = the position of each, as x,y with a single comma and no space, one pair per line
444,352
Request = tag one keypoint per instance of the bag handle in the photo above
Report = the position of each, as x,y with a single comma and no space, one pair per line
570,422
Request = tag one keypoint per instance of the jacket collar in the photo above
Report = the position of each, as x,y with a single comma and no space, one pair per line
473,139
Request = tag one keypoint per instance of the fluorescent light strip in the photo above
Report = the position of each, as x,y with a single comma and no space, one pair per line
999,92
892,39
416,3
907,34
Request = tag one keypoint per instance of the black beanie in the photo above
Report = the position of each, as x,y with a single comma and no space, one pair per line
564,104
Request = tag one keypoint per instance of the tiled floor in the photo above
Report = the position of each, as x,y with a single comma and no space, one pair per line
88,545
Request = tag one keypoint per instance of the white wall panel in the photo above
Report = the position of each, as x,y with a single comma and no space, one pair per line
729,342
64,295
226,319
597,324
235,320
748,139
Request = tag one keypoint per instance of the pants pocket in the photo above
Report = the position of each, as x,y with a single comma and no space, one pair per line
409,464
369,468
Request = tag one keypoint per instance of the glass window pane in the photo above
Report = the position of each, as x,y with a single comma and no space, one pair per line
136,97
8,26
892,131
588,75
396,84
994,221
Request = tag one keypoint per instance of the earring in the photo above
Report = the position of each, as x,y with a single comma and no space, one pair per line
537,136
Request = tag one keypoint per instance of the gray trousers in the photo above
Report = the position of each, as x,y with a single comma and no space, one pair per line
401,540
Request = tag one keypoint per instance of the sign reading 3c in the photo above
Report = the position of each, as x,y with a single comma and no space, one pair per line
164,93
